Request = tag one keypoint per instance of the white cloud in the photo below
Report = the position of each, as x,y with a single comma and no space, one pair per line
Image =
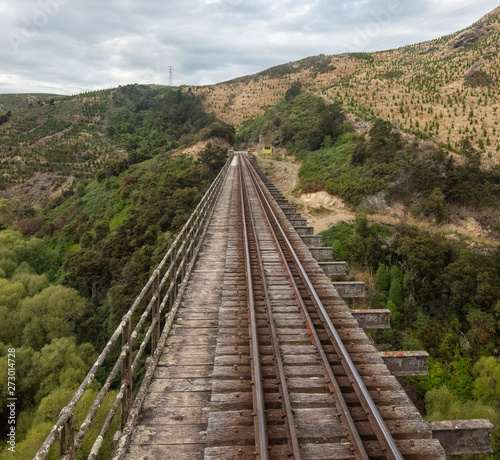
66,45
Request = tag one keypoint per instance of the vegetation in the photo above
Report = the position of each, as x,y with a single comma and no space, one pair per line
301,123
72,265
426,179
70,270
427,90
443,296
479,78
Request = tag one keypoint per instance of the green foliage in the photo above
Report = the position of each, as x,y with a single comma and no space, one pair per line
331,170
358,243
363,56
46,381
396,290
48,411
33,283
442,404
100,242
435,205
294,90
15,249
218,129
382,278
147,121
300,124
392,74
214,157
60,364
442,295
360,169
50,315
487,382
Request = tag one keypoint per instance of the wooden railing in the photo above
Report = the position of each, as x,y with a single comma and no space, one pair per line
162,292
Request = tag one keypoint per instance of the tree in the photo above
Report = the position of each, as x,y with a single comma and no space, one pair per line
472,156
435,205
482,331
214,157
382,278
294,90
51,315
396,291
5,214
358,156
60,364
487,383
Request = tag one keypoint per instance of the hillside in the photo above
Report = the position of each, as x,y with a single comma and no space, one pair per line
71,266
444,89
95,186
48,142
52,137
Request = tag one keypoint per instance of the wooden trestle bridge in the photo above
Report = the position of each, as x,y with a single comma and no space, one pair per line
253,353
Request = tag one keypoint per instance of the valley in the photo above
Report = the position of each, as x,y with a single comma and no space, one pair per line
392,156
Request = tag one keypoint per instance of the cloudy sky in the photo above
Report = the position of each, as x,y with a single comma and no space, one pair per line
69,46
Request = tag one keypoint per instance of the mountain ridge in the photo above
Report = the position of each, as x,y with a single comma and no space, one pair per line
428,89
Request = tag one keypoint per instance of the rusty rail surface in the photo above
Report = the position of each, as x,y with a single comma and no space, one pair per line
383,435
261,442
293,439
162,291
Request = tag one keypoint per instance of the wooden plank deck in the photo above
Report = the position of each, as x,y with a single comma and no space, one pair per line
174,417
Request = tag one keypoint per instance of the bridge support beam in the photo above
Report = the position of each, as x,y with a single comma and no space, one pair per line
334,268
350,289
373,319
292,215
322,253
305,231
406,363
312,241
298,222
463,437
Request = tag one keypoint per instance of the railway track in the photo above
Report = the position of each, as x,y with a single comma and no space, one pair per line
253,352
299,393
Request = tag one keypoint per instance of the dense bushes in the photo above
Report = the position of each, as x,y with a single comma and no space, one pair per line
148,121
443,296
436,285
424,178
378,167
303,123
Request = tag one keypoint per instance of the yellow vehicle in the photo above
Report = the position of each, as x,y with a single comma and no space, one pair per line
268,150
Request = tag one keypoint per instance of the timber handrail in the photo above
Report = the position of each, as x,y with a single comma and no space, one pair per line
169,274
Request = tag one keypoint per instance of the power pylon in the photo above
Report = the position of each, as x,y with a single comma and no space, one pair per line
170,76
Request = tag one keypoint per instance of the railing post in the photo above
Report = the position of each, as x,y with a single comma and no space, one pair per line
173,279
126,372
155,313
184,255
67,440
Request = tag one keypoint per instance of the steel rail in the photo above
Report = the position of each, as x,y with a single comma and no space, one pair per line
358,448
383,434
261,441
278,359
